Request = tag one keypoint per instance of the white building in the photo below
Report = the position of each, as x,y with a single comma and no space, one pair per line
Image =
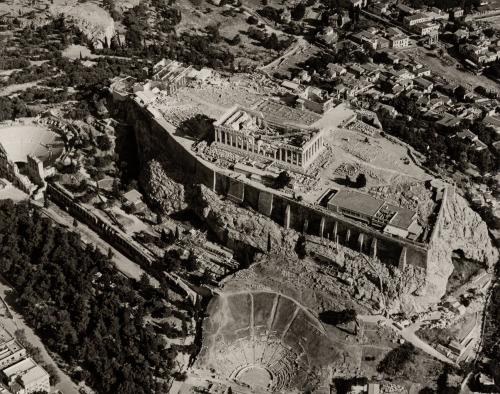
412,20
397,38
26,377
426,29
359,3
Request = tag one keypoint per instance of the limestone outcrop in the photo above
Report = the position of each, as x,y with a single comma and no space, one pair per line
93,21
162,192
458,228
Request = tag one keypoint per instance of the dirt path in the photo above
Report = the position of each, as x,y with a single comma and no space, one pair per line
276,62
66,385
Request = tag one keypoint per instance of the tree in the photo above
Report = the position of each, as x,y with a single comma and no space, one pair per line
252,20
396,359
134,38
300,247
104,142
75,223
282,180
191,262
116,187
298,12
339,317
213,32
165,237
361,180
236,40
272,42
459,93
99,321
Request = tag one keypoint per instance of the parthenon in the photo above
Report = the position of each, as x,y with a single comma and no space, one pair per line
244,131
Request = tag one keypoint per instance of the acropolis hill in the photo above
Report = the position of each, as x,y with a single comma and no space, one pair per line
252,145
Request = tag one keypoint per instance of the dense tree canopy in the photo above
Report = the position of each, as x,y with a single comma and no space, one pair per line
80,306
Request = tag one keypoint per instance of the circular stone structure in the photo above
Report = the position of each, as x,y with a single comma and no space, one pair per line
23,139
264,341
255,376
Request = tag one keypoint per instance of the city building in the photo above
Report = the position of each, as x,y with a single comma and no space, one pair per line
249,132
134,199
379,8
315,99
11,352
456,12
405,9
426,29
359,3
469,136
377,213
26,377
397,38
415,19
329,36
334,70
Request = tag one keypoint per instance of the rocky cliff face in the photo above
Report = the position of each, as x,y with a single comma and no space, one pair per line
162,192
459,228
233,224
94,22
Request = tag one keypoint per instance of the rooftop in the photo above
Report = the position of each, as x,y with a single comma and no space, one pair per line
356,201
28,370
372,207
